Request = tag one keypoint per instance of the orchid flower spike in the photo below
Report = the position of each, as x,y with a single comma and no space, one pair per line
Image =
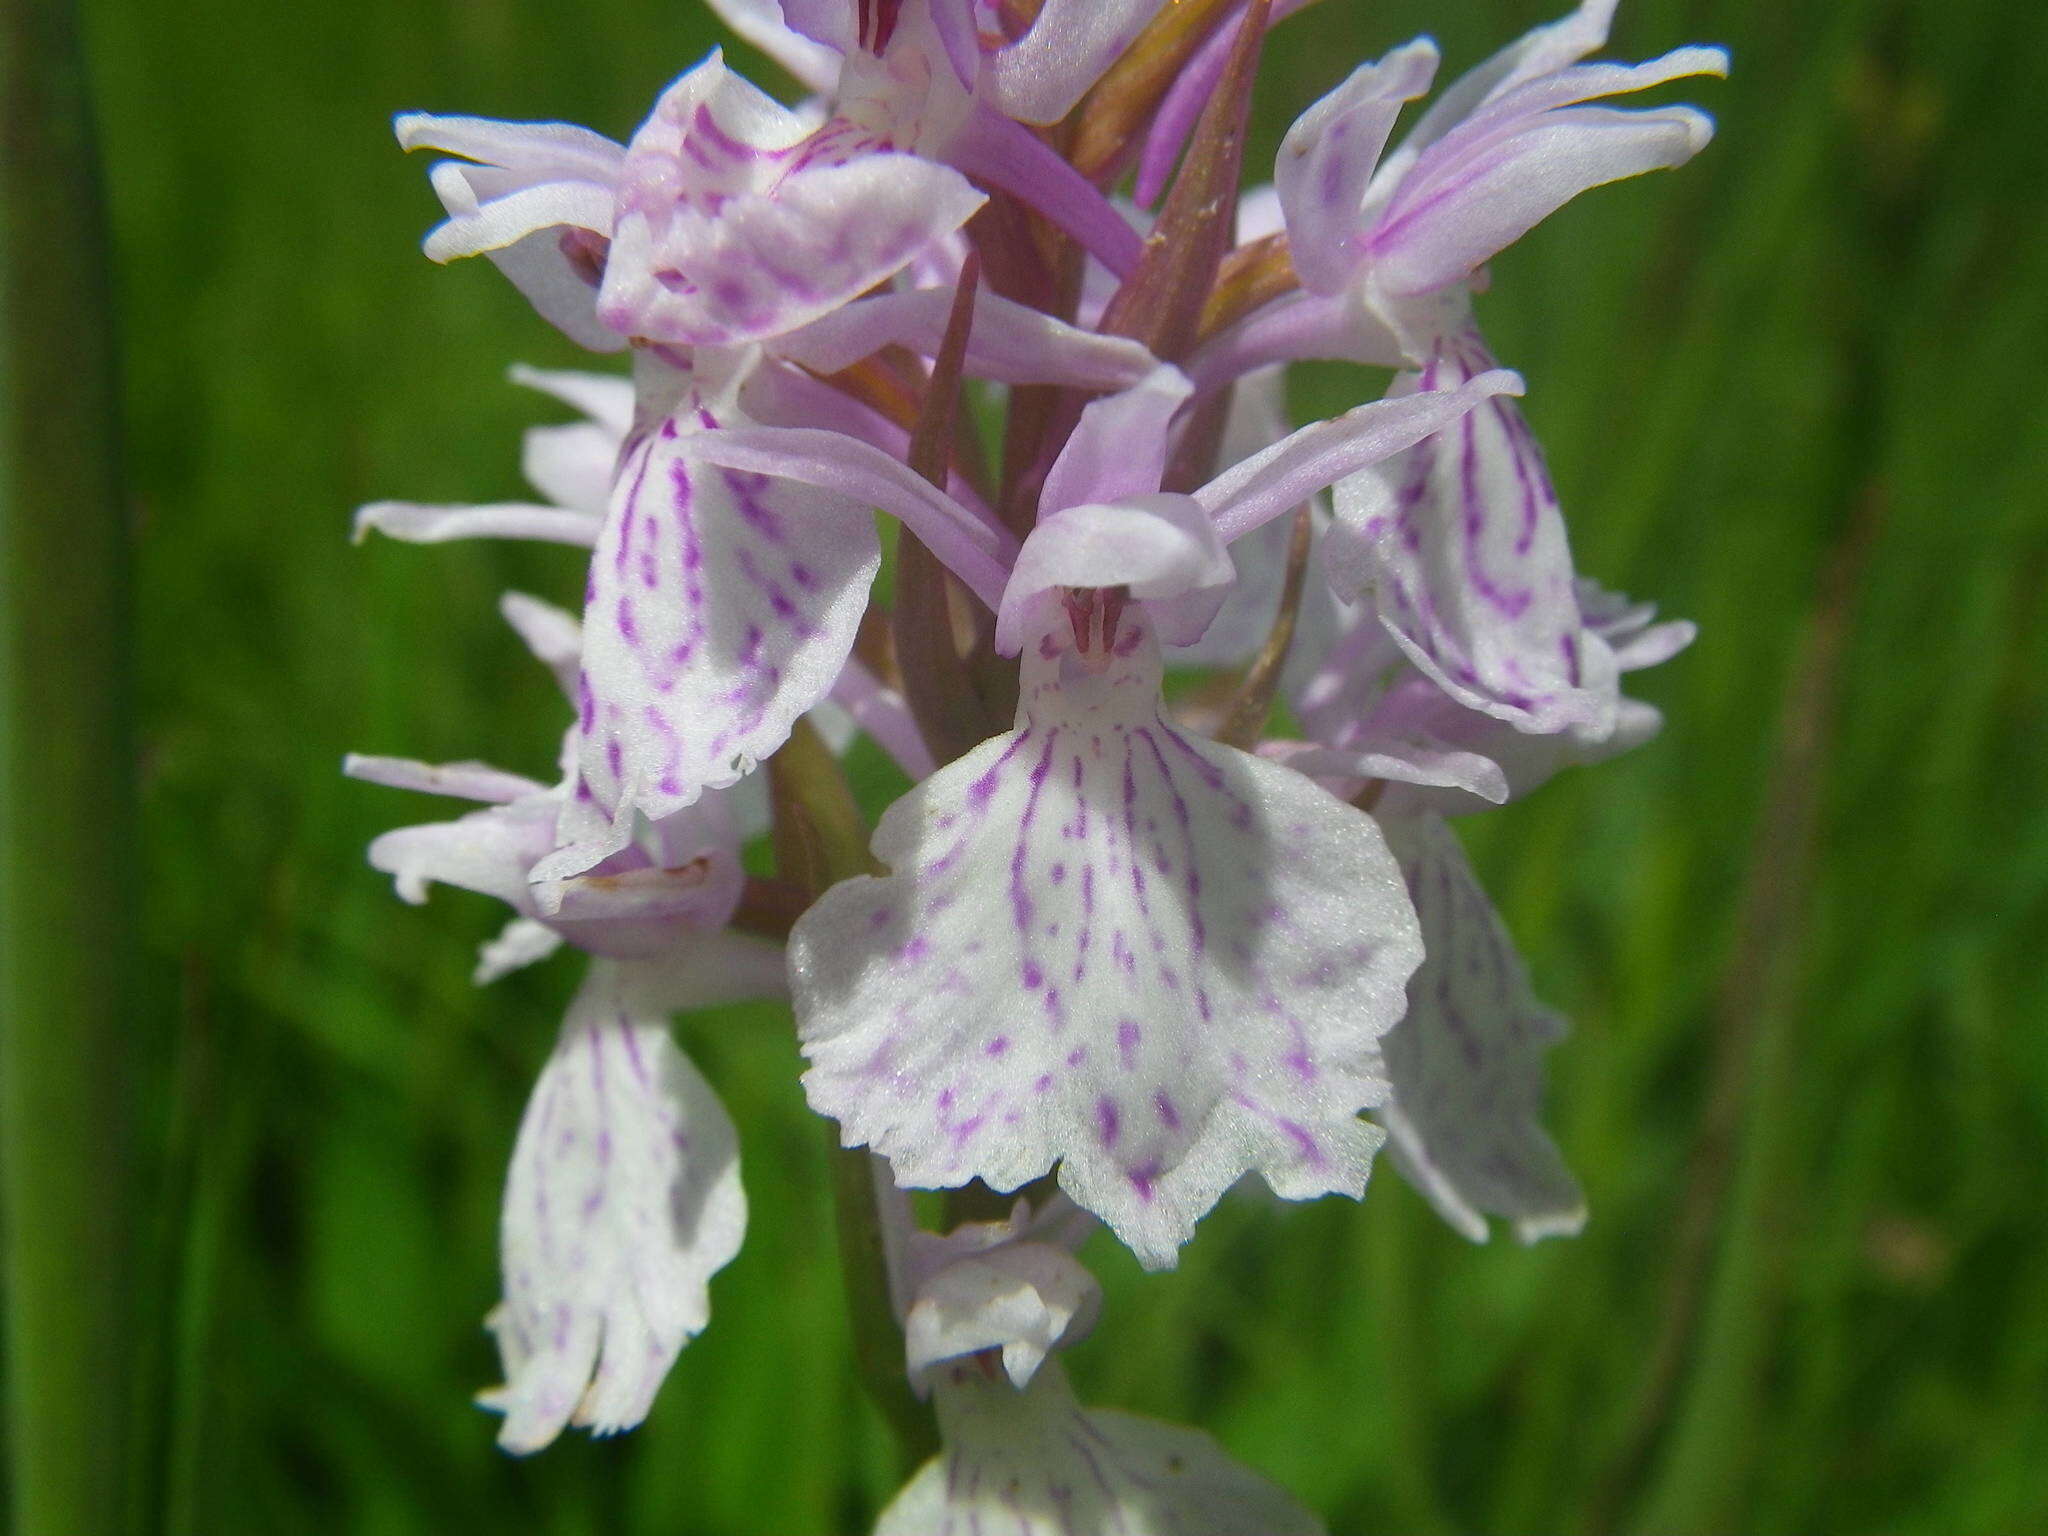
623,1197
1104,942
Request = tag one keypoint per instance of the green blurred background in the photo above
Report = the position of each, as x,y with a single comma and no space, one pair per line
1792,392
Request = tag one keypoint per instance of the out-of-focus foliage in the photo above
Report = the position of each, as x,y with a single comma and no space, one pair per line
1808,1087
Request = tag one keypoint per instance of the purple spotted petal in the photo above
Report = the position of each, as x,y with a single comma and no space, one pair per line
721,606
623,1200
738,222
1035,1463
1460,544
1467,1061
1157,961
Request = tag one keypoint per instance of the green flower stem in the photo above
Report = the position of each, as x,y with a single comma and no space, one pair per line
66,797
821,838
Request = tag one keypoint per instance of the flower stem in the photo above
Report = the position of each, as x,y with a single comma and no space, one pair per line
820,838
66,798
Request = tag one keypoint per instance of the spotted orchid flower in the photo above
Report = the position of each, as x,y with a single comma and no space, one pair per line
985,1310
946,80
1106,942
1465,1064
624,1196
1461,541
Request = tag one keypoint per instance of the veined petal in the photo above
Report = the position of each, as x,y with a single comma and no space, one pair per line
1040,77
721,606
1461,546
1160,546
1456,222
623,1200
1467,1061
737,223
1327,160
1157,961
416,523
1540,51
1118,447
1035,1463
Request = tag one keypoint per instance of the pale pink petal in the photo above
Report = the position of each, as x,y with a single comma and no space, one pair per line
1540,51
1007,342
1467,1062
415,523
1328,156
1485,203
462,781
554,637
622,1201
1021,1299
606,398
1282,477
1035,1463
761,23
571,465
1159,962
522,942
1118,448
1040,77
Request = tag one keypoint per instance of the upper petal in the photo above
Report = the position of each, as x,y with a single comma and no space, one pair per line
1160,546
622,1201
1103,942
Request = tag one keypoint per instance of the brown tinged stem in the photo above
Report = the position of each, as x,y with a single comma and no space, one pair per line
1246,721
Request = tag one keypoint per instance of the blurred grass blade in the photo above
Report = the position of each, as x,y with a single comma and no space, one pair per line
66,795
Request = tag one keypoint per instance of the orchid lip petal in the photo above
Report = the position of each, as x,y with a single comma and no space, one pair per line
1073,910
622,1201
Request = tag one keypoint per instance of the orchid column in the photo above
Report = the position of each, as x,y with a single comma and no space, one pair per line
1107,956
